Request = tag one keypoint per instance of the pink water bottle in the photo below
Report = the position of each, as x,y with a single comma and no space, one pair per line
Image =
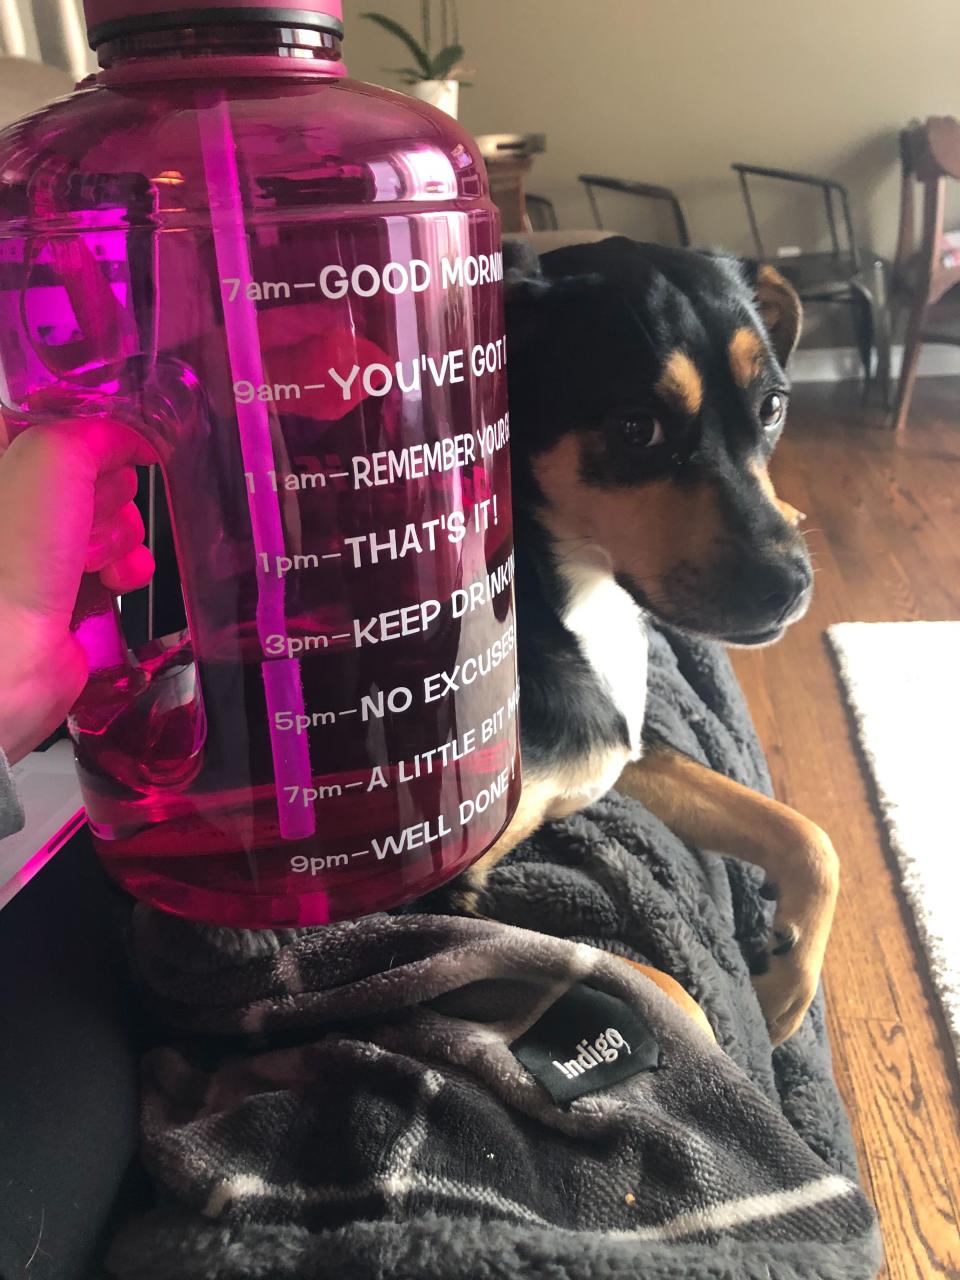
289,283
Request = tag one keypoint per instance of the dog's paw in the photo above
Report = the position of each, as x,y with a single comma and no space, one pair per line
785,993
786,973
458,897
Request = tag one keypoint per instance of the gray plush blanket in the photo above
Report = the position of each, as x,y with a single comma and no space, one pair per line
433,1098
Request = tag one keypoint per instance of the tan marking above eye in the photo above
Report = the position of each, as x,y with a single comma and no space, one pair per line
681,384
746,352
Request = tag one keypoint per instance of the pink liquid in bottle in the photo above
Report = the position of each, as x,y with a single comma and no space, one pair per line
289,283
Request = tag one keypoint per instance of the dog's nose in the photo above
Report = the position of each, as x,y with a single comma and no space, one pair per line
785,586
778,603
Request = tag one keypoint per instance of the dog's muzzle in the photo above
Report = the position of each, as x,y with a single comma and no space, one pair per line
781,594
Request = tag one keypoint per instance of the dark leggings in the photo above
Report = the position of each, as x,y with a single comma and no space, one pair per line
68,1093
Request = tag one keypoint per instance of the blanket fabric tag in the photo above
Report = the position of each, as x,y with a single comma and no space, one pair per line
586,1041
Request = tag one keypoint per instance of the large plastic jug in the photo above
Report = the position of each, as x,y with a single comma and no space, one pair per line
289,283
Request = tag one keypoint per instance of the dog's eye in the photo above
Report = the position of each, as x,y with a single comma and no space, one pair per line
773,411
640,430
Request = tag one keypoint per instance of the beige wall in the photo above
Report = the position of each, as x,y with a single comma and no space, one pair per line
671,91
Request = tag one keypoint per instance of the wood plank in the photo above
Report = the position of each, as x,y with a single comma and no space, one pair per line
912,1196
885,519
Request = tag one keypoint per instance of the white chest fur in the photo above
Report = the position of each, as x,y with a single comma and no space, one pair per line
612,634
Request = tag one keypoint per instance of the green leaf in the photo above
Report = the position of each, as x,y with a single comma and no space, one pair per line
410,74
396,29
445,61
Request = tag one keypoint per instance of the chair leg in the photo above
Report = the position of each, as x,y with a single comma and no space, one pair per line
911,358
882,327
862,306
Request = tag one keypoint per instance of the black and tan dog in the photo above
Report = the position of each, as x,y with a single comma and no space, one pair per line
647,394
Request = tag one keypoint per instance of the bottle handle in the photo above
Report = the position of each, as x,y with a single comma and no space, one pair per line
96,624
172,754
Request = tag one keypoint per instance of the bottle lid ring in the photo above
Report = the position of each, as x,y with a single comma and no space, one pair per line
107,19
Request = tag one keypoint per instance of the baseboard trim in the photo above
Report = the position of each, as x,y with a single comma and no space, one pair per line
842,364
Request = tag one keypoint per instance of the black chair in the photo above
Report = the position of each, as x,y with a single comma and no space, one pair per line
541,214
844,275
639,190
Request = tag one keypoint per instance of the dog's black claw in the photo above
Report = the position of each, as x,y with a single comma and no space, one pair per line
786,941
759,964
769,891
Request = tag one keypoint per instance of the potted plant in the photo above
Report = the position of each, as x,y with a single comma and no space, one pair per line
434,77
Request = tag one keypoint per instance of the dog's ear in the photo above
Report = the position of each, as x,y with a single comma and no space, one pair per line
780,308
520,261
563,295
777,301
526,294
542,312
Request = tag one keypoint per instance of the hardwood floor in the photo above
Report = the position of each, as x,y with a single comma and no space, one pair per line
884,526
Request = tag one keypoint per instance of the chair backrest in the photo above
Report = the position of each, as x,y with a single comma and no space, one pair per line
641,191
929,157
834,195
541,214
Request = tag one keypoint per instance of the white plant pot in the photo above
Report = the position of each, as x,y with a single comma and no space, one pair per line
444,94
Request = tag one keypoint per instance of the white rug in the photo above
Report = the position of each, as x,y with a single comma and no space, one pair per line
902,680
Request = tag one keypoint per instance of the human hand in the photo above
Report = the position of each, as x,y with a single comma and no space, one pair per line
66,508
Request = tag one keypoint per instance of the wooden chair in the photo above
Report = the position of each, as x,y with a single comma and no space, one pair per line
640,191
843,275
924,274
509,159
